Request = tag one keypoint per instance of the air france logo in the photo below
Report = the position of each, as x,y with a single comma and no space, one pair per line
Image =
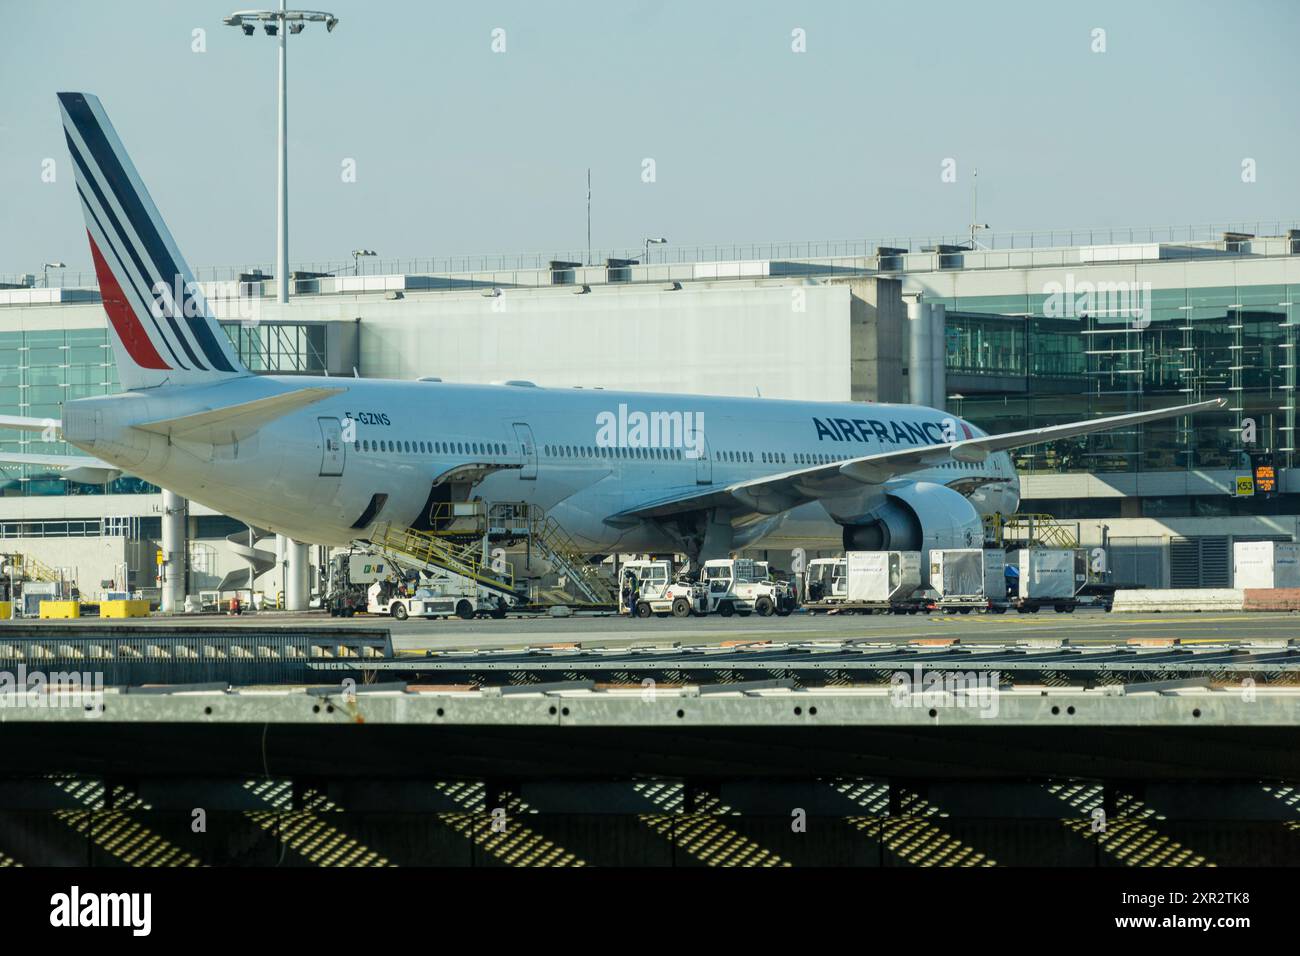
888,433
638,429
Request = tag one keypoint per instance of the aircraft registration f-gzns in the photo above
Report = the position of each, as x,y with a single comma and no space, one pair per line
325,459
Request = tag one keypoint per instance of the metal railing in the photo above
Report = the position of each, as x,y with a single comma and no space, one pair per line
564,551
1030,530
28,567
445,546
810,249
431,551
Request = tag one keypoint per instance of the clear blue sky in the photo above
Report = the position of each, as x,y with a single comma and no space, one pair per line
461,150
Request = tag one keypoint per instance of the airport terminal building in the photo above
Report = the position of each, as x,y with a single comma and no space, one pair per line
1038,330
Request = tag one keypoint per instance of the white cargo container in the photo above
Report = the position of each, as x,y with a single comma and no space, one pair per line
1047,574
882,576
995,574
957,573
1265,564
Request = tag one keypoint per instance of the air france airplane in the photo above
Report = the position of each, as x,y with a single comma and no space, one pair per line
324,460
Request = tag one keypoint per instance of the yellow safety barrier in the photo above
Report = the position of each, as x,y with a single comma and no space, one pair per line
123,608
60,609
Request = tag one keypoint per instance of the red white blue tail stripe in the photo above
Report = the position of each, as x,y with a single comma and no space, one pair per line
165,328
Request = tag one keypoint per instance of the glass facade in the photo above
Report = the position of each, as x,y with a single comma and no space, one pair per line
39,371
42,369
1162,347
282,348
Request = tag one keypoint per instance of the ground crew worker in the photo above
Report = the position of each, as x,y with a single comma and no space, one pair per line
633,593
1012,576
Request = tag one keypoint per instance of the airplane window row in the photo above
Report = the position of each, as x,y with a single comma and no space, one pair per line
594,451
588,451
431,447
818,459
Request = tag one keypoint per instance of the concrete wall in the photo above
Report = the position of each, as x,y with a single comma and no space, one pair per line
877,331
777,338
87,560
1175,274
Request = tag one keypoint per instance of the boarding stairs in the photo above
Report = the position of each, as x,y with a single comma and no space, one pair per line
567,558
436,554
515,521
455,545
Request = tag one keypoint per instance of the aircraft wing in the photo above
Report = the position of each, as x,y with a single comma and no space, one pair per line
22,423
773,494
79,468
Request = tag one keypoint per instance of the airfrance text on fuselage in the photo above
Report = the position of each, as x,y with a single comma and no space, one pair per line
897,433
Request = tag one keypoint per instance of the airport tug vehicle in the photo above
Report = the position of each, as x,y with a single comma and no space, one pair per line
659,592
825,582
743,586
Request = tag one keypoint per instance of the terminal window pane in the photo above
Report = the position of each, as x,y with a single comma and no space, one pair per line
45,394
48,375
45,348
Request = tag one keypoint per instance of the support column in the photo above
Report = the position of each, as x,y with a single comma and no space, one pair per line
297,584
282,545
175,548
282,170
938,356
919,361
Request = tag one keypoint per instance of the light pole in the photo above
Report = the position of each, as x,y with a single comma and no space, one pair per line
652,242
356,256
46,271
280,23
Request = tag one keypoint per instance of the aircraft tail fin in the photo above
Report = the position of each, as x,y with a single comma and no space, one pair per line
162,327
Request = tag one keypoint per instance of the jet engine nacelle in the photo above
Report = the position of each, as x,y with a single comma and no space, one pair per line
918,517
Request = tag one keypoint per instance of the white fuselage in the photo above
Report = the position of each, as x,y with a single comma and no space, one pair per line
584,455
